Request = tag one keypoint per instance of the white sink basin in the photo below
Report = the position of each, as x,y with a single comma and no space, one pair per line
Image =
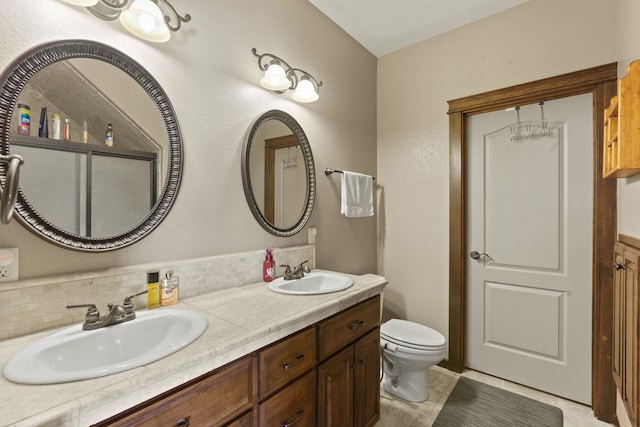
314,283
72,354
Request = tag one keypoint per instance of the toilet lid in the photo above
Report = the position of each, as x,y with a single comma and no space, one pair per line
403,332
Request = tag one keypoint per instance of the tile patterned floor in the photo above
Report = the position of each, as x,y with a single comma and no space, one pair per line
396,412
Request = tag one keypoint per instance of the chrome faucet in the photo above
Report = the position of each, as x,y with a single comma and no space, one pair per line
118,313
297,273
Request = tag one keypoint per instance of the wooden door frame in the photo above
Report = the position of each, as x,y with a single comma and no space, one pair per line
601,82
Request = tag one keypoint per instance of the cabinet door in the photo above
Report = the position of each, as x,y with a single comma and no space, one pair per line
618,313
367,379
335,390
630,320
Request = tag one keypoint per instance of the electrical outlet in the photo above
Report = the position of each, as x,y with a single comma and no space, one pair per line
9,265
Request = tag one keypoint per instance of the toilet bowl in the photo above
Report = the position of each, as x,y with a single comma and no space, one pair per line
408,349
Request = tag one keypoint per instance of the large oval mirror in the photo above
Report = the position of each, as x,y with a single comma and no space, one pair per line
103,152
278,173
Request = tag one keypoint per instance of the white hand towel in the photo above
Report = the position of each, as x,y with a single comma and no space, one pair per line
357,195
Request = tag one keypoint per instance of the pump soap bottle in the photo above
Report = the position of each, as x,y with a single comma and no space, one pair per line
153,291
169,289
268,267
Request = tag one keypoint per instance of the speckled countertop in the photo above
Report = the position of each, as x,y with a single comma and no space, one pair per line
241,320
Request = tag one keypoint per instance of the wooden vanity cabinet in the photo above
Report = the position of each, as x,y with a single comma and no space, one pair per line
348,381
325,375
626,325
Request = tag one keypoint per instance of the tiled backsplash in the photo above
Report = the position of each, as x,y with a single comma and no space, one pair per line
29,306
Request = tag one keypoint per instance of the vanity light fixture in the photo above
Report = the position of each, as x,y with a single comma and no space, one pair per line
280,77
146,19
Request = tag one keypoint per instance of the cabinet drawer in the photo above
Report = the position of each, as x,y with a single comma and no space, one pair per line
345,327
295,405
247,420
286,360
209,401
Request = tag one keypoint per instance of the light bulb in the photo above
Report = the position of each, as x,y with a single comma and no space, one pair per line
144,19
275,78
305,92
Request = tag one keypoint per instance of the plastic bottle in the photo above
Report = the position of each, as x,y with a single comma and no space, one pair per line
169,289
24,117
55,126
268,267
43,129
108,136
153,289
66,130
85,132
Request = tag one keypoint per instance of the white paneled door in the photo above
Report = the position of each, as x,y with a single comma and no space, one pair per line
529,238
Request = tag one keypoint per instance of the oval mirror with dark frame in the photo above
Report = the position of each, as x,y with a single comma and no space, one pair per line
278,173
75,190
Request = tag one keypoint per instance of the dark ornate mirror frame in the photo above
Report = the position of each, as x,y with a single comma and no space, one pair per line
309,165
13,80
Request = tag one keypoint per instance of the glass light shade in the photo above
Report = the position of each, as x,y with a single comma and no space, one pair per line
275,78
305,92
86,3
145,20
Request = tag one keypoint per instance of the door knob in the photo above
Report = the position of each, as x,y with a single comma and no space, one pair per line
477,255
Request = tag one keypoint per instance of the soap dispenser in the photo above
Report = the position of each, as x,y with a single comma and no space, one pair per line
169,289
268,267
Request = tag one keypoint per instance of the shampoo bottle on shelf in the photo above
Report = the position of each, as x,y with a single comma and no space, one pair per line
43,129
55,126
85,132
268,267
108,136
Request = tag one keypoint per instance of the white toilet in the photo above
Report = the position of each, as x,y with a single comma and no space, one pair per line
408,350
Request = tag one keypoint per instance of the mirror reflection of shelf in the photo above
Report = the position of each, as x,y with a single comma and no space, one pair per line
59,144
82,187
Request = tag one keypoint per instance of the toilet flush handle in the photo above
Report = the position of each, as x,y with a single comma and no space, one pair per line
390,347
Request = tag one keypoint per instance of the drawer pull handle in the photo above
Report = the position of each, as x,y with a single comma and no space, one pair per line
356,325
184,422
619,267
299,414
287,365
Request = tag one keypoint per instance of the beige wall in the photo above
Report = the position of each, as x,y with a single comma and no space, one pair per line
541,38
628,36
211,77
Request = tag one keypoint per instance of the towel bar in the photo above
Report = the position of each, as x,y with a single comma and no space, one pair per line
328,172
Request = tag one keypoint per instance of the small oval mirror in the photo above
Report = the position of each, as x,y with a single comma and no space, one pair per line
278,173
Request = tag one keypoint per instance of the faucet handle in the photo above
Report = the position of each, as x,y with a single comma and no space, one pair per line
303,267
287,268
93,315
128,299
128,305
